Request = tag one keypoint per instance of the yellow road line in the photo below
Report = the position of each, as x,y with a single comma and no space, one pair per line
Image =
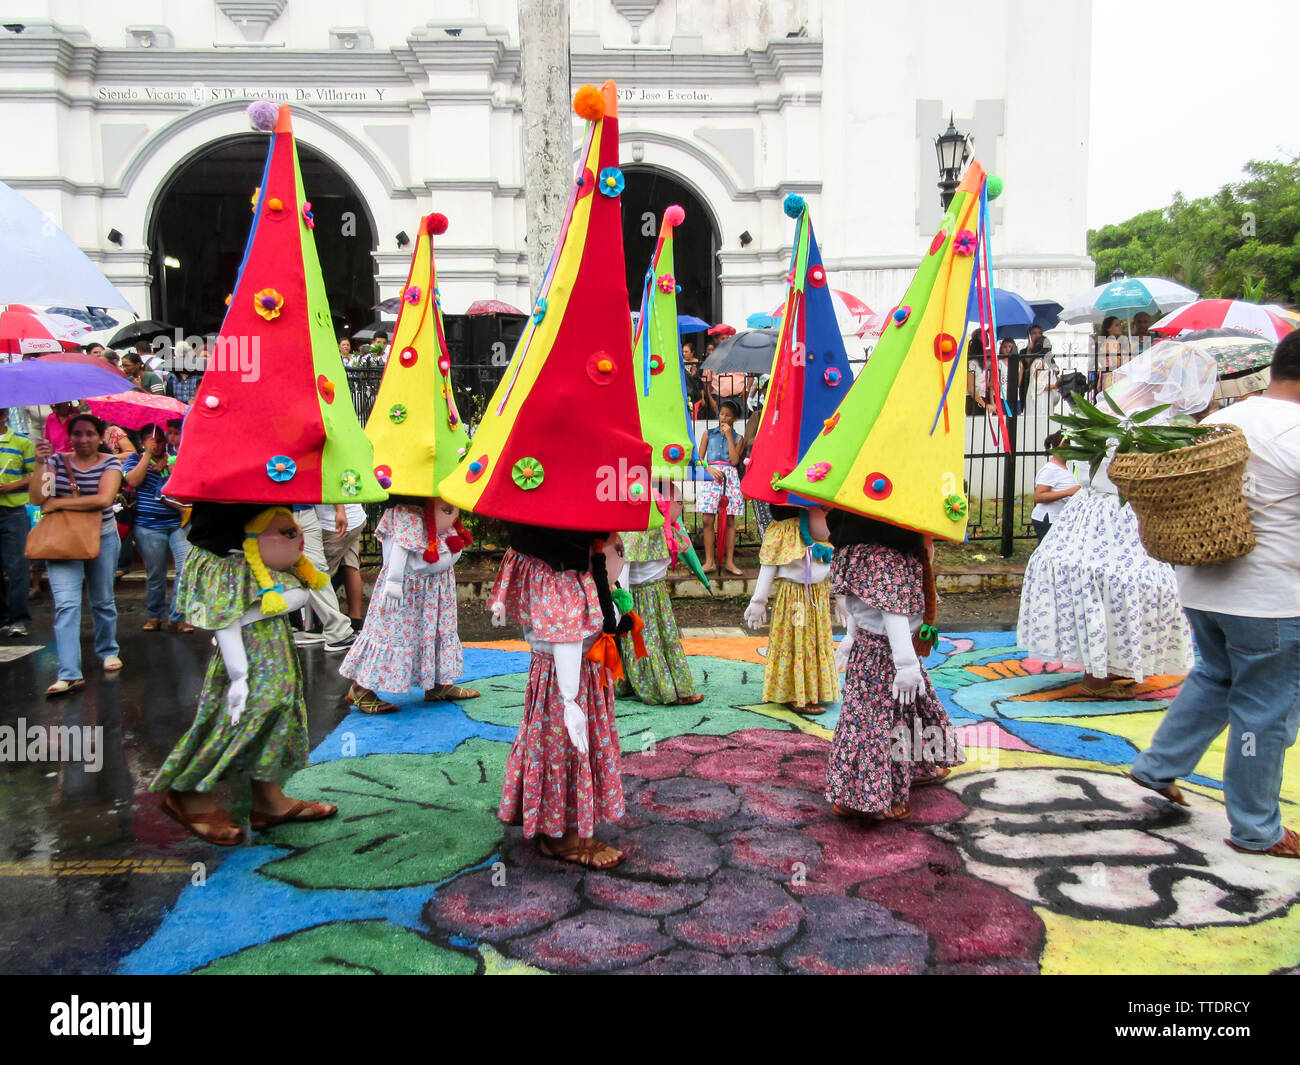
97,867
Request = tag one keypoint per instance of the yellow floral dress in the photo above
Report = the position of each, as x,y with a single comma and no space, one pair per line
800,667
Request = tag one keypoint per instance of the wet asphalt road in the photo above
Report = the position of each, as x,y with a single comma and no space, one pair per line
88,864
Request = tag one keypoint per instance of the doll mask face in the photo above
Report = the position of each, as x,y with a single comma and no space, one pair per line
817,523
613,552
280,543
445,515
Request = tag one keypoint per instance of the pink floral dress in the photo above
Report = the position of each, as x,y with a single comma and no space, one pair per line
549,788
414,643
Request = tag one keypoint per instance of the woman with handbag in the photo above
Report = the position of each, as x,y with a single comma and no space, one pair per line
77,536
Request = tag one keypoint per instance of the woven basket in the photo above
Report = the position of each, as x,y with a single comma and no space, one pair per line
1188,502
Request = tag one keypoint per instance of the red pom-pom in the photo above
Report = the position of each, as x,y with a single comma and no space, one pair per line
463,533
674,215
455,543
431,555
437,225
589,103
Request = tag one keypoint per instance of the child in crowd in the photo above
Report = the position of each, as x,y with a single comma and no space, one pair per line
795,564
721,450
893,734
1053,485
409,637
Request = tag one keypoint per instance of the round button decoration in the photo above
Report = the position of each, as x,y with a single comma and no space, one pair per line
901,315
409,356
275,204
602,368
397,414
212,402
281,468
830,423
939,238
326,388
528,473
674,453
878,486
350,483
475,469
832,377
384,475
656,365
444,365
586,183
268,303
945,347
954,505
816,275
611,181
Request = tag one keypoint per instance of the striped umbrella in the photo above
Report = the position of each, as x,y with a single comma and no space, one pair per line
24,332
1226,314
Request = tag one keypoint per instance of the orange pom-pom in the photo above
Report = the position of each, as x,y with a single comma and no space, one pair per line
437,224
589,103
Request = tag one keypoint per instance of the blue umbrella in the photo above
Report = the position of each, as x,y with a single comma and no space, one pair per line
686,323
1014,314
1047,314
57,379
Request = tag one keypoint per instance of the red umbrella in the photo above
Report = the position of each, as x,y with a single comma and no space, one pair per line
1226,314
850,312
24,332
135,410
722,330
492,307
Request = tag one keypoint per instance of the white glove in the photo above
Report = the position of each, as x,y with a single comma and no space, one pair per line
236,698
756,613
393,592
498,614
908,682
842,615
575,721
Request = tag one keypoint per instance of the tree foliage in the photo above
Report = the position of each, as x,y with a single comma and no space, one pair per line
1241,243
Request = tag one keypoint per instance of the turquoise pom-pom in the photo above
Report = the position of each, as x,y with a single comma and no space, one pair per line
794,205
994,186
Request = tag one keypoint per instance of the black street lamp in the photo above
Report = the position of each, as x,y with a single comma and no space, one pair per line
953,149
1118,274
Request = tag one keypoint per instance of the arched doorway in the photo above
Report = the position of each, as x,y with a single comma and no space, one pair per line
200,226
647,191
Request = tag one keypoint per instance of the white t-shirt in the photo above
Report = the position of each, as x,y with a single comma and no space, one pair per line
1266,582
356,514
639,573
1055,479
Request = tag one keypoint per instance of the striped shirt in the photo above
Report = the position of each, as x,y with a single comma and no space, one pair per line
17,458
87,480
150,511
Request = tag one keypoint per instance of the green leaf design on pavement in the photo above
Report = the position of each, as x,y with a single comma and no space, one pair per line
731,688
377,948
404,819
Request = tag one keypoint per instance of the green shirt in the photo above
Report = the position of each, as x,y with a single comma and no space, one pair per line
151,382
17,460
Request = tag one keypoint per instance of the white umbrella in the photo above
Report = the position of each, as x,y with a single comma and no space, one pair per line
1128,296
41,265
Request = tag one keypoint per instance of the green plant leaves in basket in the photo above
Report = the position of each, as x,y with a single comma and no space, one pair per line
1091,434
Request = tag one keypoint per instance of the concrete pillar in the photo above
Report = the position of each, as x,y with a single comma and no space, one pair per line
548,110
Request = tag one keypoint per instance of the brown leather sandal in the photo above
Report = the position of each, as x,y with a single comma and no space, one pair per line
938,777
582,852
444,692
1172,792
301,810
1287,847
367,701
900,811
212,820
690,700
152,625
179,626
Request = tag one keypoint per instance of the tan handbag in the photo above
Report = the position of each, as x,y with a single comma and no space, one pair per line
66,535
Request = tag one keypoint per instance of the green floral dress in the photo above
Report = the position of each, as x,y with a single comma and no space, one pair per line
271,737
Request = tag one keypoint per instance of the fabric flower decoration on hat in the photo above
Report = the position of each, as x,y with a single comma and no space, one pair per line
539,311
816,275
309,219
954,506
818,471
528,473
281,468
412,294
397,414
350,482
964,242
667,283
611,181
268,303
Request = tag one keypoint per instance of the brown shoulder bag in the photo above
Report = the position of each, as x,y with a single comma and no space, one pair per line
66,535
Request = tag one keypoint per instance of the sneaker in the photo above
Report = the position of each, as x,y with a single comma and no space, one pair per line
16,630
301,638
342,645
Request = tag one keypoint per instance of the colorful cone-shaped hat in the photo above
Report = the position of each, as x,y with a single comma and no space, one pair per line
415,428
560,443
894,448
810,370
660,376
273,420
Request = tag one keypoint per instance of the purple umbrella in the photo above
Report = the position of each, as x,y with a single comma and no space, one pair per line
56,379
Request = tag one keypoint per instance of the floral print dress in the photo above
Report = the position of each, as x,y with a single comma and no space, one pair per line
663,676
800,668
549,788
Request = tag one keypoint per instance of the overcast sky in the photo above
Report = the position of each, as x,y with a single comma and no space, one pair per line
1184,94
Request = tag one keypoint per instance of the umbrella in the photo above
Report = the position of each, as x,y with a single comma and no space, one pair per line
1226,314
24,332
1234,354
389,306
749,351
135,410
686,323
56,379
368,333
493,307
850,312
143,329
1285,312
1128,296
41,265
1047,314
1014,314
722,330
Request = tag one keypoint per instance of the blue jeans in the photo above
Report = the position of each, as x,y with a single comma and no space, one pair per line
13,542
157,546
66,579
1248,679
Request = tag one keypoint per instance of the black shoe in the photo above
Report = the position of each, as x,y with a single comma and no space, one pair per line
342,645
